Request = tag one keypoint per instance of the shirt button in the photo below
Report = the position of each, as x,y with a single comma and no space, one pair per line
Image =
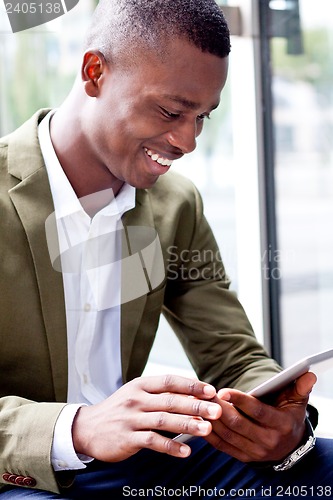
85,378
87,307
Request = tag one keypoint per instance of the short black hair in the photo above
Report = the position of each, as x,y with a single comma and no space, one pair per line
120,25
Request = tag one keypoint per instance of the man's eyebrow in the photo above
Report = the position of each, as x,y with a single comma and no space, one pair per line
186,103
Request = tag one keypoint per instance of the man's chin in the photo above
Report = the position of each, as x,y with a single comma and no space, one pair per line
146,183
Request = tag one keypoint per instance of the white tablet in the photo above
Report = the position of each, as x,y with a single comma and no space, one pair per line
316,363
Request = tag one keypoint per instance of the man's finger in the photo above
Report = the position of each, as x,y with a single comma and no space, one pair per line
176,384
304,384
297,393
184,405
154,441
252,407
177,424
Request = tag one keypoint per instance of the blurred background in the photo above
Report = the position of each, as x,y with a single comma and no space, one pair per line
264,164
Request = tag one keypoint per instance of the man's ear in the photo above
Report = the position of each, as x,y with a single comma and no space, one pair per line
93,66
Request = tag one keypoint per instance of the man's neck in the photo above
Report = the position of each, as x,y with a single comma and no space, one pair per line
93,184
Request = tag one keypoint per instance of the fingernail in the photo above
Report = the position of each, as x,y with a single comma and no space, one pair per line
226,396
203,426
185,450
213,410
209,391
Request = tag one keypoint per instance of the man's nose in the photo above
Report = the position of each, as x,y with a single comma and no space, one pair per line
183,136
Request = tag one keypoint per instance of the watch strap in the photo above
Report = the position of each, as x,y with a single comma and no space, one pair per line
300,452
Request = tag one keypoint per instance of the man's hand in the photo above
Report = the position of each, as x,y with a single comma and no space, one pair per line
253,431
130,419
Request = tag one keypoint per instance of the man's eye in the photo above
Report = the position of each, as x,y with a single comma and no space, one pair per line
168,114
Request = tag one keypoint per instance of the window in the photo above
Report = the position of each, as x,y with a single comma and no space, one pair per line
265,172
299,37
45,58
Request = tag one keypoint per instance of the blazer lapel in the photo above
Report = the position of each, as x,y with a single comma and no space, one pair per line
132,311
33,202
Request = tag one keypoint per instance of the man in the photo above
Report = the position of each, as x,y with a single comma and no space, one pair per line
93,172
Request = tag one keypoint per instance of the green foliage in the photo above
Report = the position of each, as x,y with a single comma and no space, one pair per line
35,81
315,65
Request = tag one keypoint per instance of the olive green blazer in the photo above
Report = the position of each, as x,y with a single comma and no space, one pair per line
205,315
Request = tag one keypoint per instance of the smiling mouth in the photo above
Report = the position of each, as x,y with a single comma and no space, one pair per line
165,162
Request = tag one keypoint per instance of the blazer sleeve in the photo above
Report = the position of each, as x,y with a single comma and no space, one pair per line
206,316
25,457
33,360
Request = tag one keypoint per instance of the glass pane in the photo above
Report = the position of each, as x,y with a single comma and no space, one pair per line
38,65
303,124
210,168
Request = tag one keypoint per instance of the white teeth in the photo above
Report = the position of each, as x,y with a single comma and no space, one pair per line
159,159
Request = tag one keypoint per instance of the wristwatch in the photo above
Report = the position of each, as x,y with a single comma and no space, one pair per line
300,452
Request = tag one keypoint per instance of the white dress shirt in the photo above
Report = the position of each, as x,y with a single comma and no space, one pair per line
92,308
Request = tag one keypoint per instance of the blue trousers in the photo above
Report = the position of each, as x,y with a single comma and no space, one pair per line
207,473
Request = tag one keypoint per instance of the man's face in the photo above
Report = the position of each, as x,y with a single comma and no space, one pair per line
150,114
